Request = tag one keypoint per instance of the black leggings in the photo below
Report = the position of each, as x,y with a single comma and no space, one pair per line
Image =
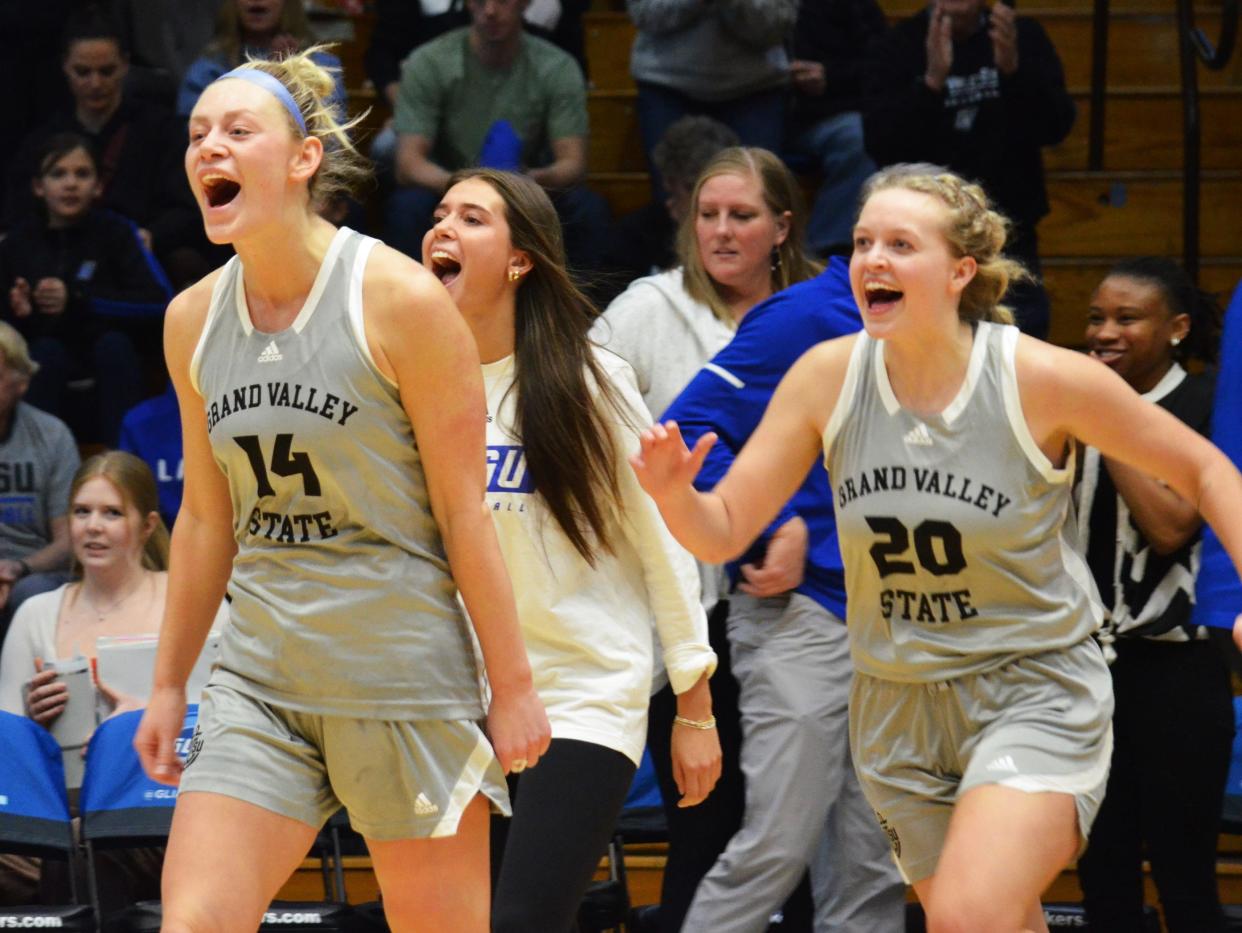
564,812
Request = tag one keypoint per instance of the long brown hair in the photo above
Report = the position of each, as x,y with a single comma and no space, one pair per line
132,478
780,193
565,402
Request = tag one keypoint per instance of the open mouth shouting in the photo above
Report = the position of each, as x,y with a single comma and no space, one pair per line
218,189
881,297
445,266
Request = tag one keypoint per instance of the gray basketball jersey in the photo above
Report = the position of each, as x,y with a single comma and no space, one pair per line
342,602
958,556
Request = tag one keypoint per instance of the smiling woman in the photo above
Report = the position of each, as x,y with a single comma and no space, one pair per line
981,705
740,241
306,511
1173,726
595,570
120,551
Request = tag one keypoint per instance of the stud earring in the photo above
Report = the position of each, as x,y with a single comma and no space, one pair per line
1175,340
514,275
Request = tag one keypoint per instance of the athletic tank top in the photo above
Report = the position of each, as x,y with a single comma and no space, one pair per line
958,556
342,602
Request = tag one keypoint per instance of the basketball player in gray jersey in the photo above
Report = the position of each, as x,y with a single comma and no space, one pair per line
980,713
333,414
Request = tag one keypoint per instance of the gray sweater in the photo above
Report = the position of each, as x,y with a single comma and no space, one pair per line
712,50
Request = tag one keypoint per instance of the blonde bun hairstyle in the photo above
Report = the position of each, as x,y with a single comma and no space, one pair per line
973,227
311,86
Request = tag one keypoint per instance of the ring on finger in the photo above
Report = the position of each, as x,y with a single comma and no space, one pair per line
519,765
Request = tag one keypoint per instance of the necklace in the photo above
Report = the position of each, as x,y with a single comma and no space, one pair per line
103,612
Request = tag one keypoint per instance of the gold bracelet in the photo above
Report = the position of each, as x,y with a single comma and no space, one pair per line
708,723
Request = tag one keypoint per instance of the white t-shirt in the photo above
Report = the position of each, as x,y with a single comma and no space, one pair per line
33,635
589,630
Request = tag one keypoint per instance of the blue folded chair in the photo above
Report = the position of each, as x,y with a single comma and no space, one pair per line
121,806
35,819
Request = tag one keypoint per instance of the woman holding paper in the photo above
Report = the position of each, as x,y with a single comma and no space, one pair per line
120,549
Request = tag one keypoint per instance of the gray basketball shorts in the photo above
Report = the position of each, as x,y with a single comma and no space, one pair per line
398,779
1039,723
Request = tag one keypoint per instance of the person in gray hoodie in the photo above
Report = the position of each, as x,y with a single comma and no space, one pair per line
725,59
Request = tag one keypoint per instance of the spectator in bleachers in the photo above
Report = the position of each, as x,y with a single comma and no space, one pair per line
1173,725
255,29
30,35
726,60
166,36
37,460
120,550
78,281
739,241
490,94
401,26
643,242
139,149
152,430
825,123
981,91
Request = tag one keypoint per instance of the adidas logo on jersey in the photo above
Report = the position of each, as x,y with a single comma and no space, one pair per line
271,353
919,436
1003,763
424,807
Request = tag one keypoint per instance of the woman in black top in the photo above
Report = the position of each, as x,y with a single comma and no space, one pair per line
1173,724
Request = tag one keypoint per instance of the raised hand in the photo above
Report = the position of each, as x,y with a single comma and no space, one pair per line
663,464
1003,29
939,48
51,296
19,298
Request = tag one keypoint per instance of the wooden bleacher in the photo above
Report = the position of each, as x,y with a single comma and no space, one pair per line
1132,207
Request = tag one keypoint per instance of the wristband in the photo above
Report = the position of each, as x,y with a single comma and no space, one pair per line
25,568
704,724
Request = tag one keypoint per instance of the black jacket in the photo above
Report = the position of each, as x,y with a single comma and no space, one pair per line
985,126
102,265
141,154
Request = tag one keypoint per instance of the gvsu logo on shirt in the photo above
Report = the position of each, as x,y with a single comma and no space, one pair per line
506,469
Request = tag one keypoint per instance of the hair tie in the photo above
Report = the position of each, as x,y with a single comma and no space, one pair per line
273,86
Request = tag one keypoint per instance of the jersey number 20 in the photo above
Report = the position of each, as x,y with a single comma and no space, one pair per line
891,552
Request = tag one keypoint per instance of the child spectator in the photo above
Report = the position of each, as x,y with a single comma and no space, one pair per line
139,149
77,277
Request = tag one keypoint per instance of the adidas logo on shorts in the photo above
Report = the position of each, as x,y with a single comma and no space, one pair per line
919,436
1003,763
271,353
423,806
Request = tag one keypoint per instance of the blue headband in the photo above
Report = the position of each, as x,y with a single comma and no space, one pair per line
273,86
